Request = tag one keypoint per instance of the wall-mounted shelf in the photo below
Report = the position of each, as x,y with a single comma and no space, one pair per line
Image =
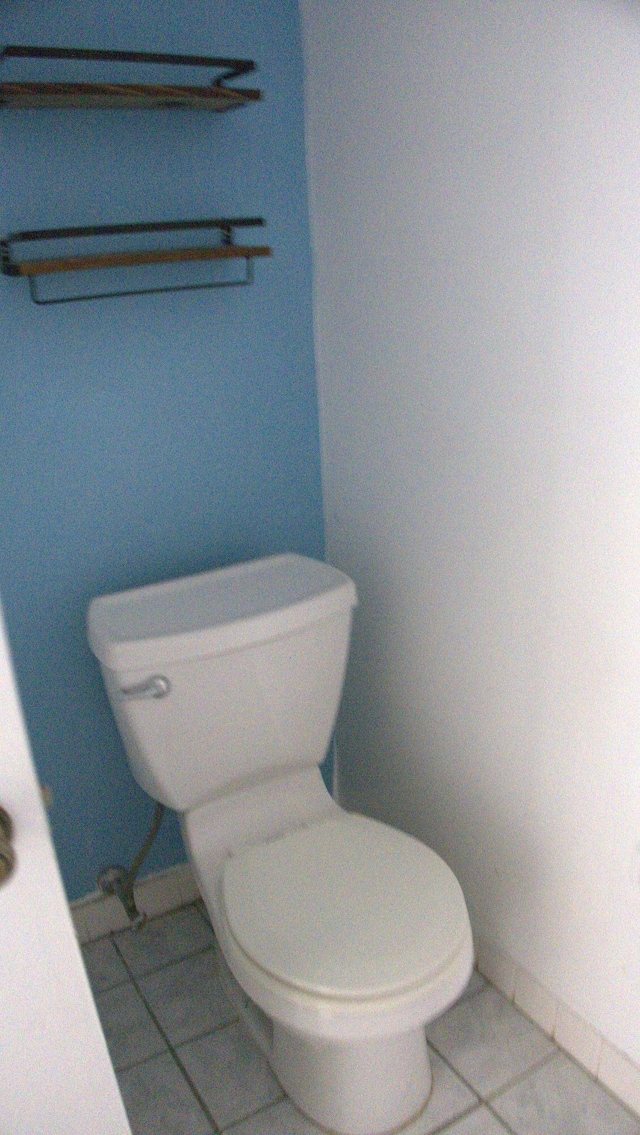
114,96
225,250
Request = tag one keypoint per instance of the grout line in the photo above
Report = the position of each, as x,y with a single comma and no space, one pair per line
599,1083
449,1123
164,965
173,1049
482,1100
488,1099
505,974
521,1077
194,1091
503,1123
209,1032
134,979
559,1051
174,1055
451,1068
267,1107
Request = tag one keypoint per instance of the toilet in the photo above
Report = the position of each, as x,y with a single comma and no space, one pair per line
339,937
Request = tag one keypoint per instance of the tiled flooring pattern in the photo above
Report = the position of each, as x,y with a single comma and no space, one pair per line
186,1066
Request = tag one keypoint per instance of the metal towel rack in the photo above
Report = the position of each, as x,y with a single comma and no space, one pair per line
226,250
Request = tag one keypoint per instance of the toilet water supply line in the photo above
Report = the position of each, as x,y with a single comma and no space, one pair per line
119,882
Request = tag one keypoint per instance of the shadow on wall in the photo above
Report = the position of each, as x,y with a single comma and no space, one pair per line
409,757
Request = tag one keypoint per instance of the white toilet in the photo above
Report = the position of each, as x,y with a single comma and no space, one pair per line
339,937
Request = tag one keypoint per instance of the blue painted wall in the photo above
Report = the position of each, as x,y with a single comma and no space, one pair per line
146,437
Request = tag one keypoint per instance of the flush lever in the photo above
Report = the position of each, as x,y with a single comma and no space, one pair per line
157,686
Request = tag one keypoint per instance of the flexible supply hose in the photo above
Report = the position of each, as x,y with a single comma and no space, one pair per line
146,847
119,882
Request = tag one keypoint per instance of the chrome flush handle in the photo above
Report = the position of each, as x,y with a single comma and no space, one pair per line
157,686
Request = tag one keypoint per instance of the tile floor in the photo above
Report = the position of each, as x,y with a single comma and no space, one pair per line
186,1066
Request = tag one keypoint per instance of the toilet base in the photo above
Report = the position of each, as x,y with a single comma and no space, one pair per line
362,1087
370,1087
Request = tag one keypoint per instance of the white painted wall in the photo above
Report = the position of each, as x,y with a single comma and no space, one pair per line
475,193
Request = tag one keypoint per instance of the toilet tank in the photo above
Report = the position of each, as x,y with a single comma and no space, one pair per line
218,678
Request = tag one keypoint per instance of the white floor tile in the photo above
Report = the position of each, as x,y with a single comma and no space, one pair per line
488,1041
479,1122
104,965
476,983
449,1098
561,1099
186,998
129,1030
164,940
533,1087
281,1119
230,1073
159,1101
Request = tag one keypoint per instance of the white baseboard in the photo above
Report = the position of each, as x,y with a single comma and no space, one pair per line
98,914
576,1037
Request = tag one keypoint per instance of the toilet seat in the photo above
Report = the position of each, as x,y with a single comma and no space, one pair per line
345,908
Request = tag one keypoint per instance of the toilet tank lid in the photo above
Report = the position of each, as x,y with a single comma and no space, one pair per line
215,611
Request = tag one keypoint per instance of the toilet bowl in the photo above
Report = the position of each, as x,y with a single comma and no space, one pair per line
339,937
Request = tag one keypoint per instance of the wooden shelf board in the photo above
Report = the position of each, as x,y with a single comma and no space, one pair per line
118,96
132,259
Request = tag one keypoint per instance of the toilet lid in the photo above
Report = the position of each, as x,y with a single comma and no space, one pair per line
346,907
